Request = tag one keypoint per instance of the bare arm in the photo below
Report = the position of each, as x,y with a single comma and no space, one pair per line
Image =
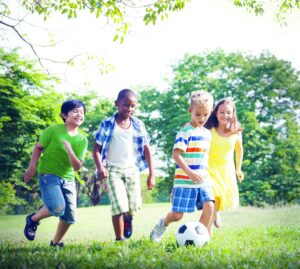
151,177
75,162
196,178
239,152
102,172
31,170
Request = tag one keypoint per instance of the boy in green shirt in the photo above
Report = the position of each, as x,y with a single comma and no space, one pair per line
59,152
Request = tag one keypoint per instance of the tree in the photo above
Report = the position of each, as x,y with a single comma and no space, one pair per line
28,105
267,94
118,13
282,8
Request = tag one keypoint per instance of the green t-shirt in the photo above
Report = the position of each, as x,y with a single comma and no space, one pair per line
55,159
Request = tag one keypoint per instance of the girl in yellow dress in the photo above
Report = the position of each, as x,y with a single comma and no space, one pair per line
226,139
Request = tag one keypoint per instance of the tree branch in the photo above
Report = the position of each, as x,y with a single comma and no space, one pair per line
27,42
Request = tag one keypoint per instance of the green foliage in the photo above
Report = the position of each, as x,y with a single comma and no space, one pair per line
7,194
114,11
28,105
282,8
267,94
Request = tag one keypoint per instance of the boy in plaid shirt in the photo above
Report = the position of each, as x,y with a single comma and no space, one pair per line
121,151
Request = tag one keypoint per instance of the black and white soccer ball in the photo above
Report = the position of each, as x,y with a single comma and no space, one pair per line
192,233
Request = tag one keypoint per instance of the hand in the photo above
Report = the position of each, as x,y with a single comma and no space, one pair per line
196,178
29,173
102,174
103,185
66,144
150,182
240,175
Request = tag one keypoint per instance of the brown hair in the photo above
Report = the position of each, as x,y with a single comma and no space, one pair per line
233,127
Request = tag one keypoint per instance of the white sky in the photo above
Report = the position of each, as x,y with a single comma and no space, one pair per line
148,51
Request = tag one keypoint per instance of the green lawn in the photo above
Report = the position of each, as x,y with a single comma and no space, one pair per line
249,238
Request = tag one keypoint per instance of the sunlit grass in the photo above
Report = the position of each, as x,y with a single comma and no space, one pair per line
249,238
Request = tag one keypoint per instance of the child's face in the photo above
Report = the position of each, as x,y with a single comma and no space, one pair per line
199,115
126,106
75,116
224,114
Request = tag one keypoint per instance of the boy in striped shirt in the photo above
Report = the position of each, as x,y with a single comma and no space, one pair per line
192,187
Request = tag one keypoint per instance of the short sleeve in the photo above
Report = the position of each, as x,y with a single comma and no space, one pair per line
45,137
144,133
100,134
181,141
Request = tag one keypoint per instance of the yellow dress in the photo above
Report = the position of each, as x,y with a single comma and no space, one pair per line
222,170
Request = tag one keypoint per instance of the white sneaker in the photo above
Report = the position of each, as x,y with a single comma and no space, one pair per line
158,231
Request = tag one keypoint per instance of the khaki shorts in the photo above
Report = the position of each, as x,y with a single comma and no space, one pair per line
124,189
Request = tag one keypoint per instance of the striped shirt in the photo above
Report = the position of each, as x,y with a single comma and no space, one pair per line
140,139
194,143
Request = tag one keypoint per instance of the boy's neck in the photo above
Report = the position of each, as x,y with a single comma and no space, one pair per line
124,123
72,129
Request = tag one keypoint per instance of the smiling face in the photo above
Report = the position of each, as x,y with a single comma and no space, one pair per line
199,115
224,114
75,117
126,106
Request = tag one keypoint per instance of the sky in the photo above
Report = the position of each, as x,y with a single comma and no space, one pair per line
148,52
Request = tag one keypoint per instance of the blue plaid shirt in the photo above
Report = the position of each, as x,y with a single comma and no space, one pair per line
140,138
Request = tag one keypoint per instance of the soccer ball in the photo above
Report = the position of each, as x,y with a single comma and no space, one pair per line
192,233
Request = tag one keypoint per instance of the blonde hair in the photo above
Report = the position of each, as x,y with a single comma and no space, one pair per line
202,99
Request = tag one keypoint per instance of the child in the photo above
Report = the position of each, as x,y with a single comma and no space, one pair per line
59,152
192,186
121,150
226,138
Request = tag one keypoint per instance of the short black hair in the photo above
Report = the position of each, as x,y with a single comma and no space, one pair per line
69,105
125,93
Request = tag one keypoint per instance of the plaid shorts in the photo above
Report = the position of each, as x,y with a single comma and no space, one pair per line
185,199
124,189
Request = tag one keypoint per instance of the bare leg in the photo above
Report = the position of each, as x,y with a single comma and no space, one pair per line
61,230
171,217
209,228
207,215
41,214
118,223
217,219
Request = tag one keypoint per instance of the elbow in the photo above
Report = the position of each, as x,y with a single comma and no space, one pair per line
174,156
77,166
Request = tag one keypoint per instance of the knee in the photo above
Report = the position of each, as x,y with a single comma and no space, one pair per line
209,208
58,210
177,216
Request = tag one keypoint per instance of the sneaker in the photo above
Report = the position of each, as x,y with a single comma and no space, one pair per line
30,227
122,239
158,231
60,244
127,225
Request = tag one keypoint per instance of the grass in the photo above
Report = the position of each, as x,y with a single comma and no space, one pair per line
249,238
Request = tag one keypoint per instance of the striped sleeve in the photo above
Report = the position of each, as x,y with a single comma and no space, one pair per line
181,140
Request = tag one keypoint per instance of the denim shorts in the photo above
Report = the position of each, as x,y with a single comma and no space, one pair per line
186,199
59,196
